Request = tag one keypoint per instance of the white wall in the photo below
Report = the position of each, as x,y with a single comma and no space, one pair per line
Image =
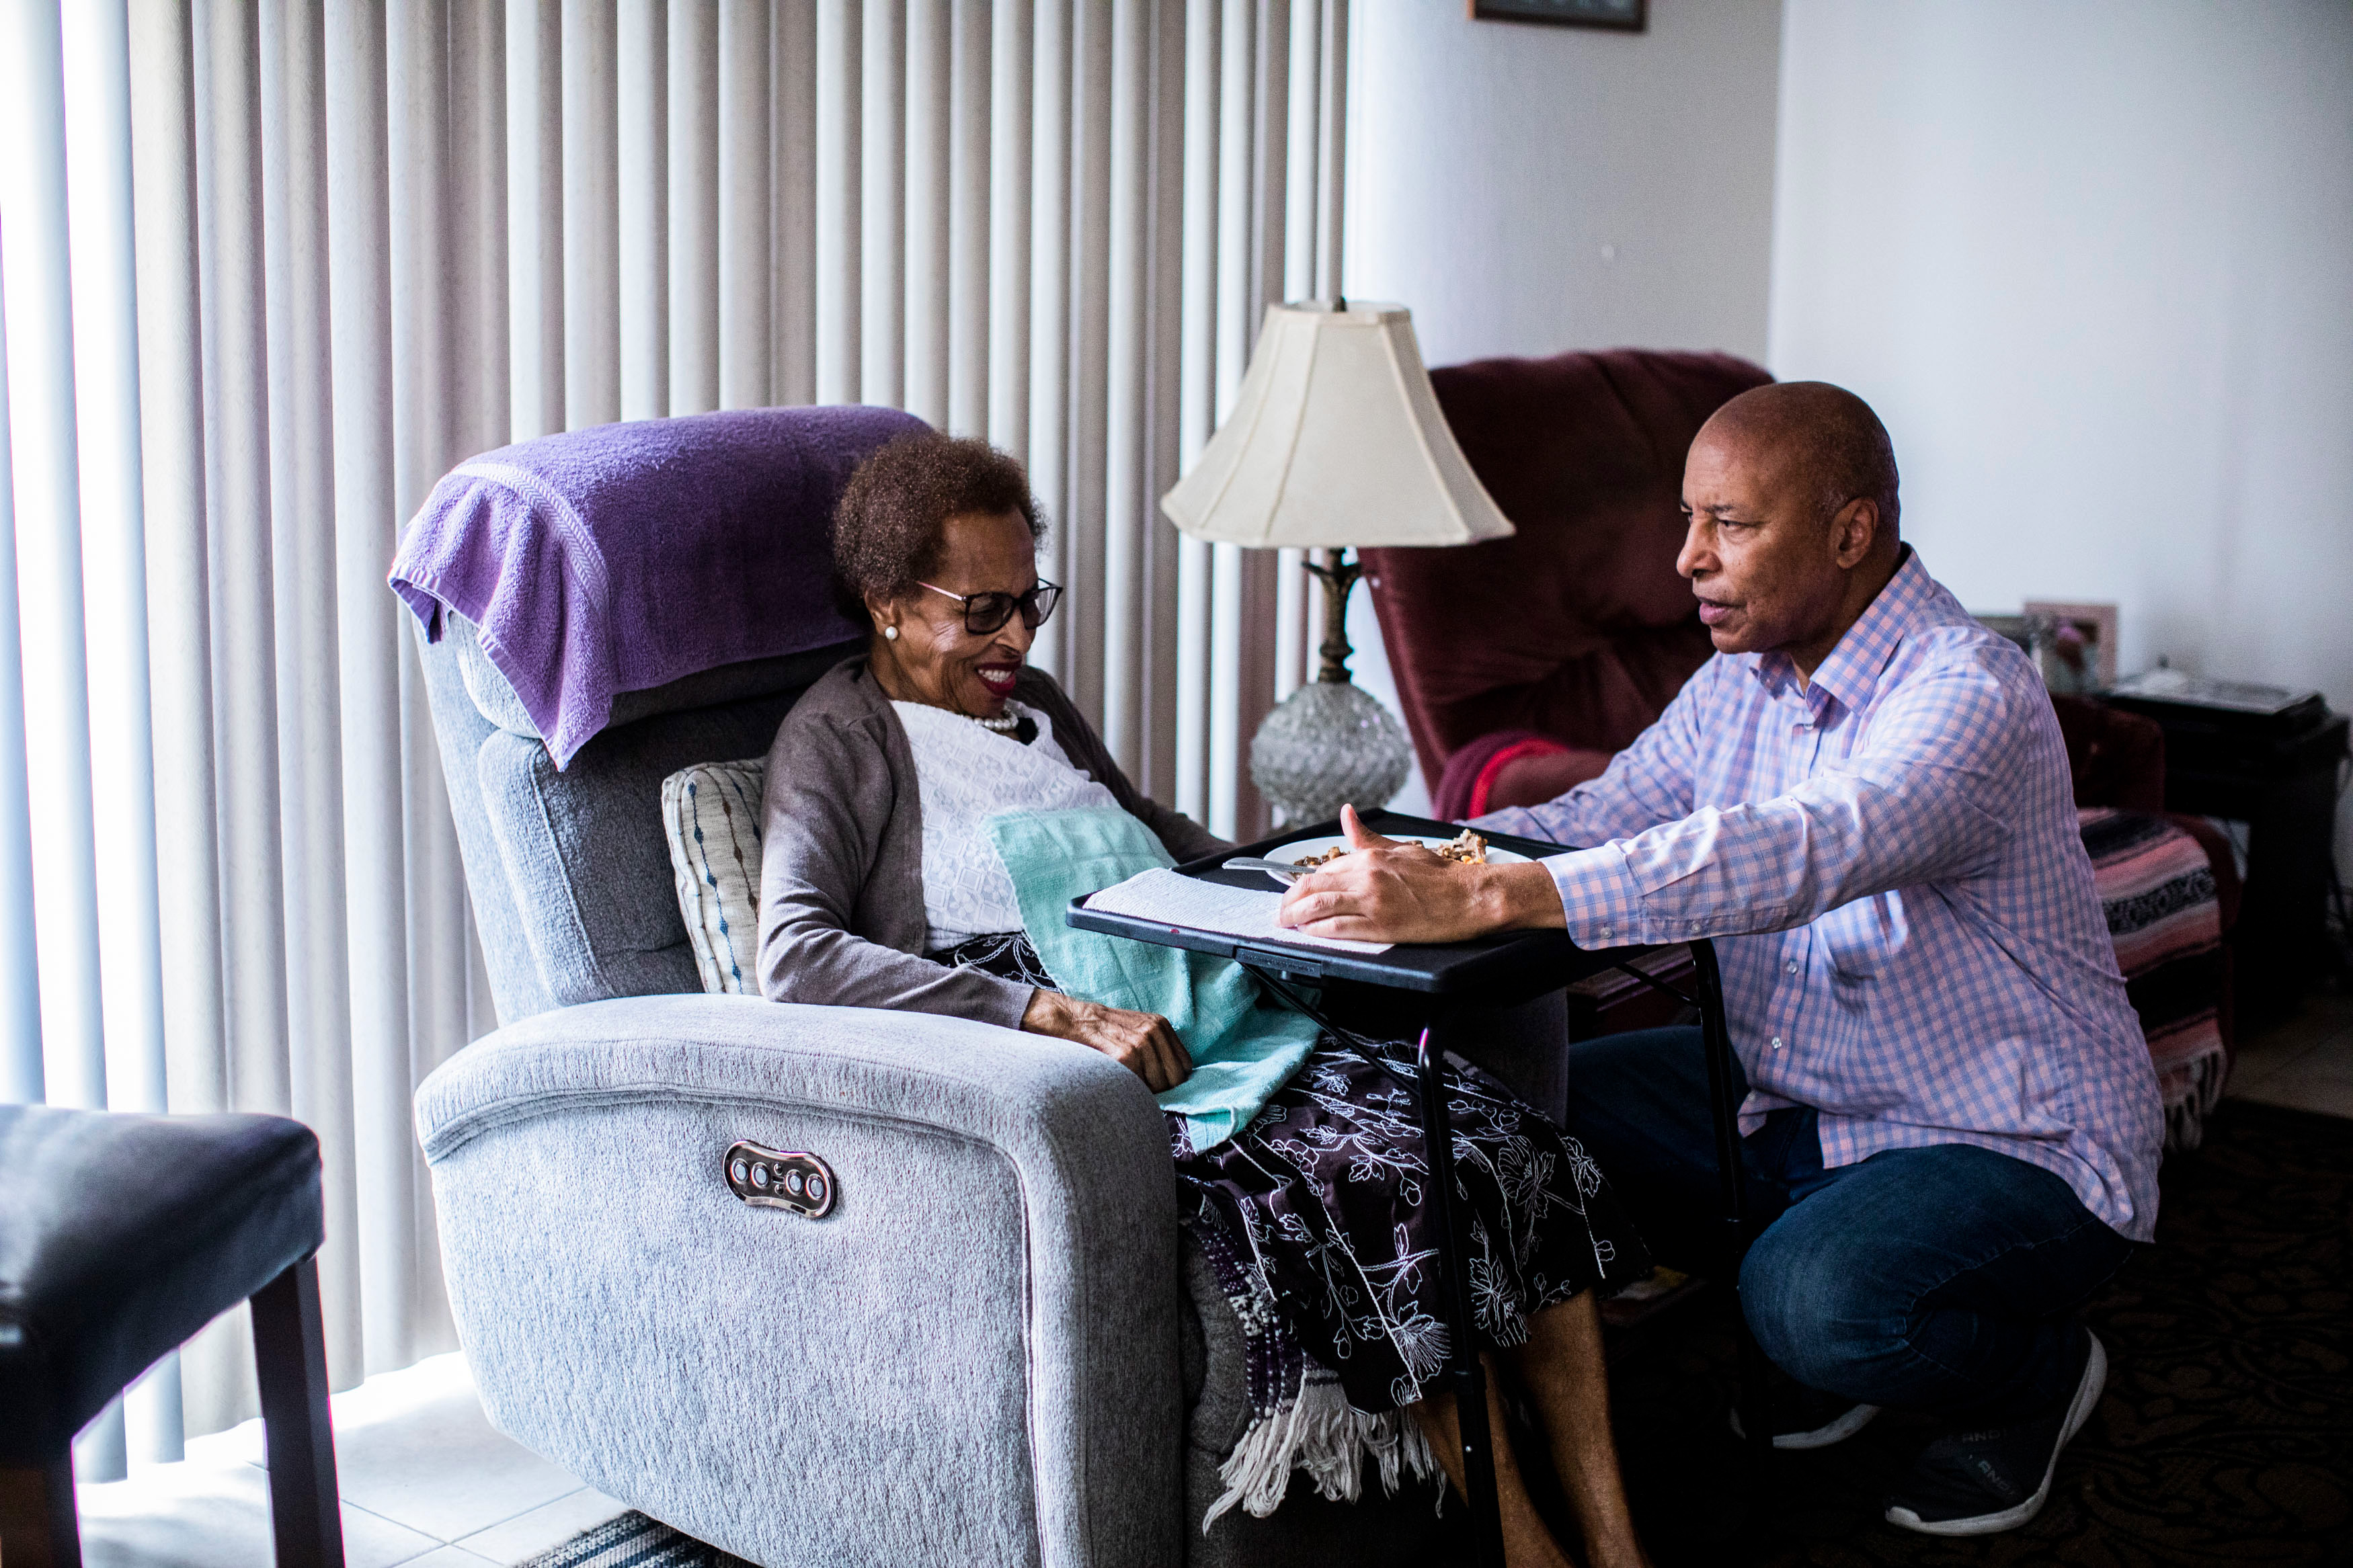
2092,263
1530,189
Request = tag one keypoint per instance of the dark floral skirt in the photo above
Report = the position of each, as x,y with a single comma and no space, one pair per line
1322,1203
1326,1191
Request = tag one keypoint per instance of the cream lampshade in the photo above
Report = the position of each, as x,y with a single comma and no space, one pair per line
1336,439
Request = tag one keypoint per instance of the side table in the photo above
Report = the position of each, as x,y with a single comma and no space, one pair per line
2284,788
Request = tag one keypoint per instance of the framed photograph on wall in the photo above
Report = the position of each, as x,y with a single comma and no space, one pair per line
1621,16
2078,654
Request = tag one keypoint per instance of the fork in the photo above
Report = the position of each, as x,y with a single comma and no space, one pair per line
1282,871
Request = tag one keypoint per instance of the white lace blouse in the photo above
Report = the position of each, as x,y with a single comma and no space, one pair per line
964,776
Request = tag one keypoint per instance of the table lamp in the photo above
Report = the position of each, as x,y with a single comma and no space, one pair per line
1335,440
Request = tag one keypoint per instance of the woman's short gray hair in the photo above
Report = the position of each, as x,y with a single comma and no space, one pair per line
890,524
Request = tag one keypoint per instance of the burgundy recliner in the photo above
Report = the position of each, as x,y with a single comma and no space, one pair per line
1575,630
1524,664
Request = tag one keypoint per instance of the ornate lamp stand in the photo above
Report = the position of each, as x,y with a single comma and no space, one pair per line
1331,741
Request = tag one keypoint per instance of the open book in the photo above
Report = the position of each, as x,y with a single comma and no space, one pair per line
1170,898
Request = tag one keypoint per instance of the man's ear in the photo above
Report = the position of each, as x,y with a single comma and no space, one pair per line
1854,531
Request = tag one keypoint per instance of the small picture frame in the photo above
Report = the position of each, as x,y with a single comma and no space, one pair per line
1617,16
2077,653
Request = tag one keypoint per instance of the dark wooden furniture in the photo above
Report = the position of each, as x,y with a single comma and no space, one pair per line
120,1236
2284,786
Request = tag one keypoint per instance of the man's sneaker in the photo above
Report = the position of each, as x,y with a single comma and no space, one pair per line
1980,1483
1808,1418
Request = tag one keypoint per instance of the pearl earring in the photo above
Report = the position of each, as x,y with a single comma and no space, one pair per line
891,633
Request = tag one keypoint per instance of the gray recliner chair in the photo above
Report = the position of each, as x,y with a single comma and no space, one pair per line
996,1349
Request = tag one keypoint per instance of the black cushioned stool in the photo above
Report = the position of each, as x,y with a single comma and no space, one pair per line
120,1236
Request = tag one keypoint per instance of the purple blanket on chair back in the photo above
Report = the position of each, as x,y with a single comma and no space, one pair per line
626,556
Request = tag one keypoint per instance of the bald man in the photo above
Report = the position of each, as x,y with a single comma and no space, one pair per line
1950,1124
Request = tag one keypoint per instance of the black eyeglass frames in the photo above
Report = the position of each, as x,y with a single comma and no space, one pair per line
986,613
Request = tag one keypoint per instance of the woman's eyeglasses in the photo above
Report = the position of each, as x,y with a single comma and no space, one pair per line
986,613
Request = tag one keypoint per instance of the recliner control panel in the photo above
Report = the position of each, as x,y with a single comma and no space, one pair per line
781,1179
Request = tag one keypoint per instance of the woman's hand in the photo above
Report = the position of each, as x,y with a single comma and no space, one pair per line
1142,1043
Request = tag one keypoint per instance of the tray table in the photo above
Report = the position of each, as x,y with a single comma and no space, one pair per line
1501,969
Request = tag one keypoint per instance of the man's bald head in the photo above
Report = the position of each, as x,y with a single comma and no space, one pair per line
1819,435
1790,491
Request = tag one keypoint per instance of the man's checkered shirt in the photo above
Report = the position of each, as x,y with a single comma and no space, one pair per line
1890,862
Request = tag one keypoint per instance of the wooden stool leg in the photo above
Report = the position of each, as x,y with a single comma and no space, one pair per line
38,1528
290,1350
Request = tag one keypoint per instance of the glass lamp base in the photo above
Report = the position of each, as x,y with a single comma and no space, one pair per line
1329,742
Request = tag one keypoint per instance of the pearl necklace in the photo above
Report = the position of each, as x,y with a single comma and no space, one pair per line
1004,726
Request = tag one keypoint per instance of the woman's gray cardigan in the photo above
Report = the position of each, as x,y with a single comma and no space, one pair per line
842,867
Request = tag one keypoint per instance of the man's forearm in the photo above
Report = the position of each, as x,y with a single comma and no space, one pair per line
1521,897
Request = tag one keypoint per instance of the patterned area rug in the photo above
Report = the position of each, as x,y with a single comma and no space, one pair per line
2225,1436
633,1540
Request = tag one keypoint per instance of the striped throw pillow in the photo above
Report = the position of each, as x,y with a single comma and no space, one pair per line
712,814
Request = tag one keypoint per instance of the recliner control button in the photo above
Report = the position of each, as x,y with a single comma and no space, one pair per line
780,1179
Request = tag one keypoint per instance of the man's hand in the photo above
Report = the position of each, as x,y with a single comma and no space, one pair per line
1142,1043
1382,891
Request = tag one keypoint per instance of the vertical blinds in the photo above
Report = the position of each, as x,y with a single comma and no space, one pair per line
268,270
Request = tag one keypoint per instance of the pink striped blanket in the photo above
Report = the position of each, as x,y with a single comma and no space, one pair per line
2158,893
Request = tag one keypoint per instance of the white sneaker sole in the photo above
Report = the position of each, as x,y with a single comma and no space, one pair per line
1855,1420
2087,1398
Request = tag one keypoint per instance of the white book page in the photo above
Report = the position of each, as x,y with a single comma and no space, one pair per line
1168,898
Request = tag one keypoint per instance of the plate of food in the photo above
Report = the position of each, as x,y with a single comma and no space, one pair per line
1466,847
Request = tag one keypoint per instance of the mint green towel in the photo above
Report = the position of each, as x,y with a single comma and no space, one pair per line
1243,1050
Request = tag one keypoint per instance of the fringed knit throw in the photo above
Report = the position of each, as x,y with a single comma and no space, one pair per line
2158,895
1299,1418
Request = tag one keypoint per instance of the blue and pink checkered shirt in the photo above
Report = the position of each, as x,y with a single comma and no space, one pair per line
1890,862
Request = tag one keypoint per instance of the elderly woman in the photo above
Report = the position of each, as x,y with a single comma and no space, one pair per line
881,887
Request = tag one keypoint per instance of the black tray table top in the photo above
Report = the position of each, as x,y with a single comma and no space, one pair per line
1510,966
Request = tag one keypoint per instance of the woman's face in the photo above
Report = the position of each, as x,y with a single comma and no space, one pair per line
933,659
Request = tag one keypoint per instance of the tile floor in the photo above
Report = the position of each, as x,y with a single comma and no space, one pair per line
2306,1063
425,1483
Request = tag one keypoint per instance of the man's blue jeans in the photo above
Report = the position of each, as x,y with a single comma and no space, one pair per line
1942,1279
